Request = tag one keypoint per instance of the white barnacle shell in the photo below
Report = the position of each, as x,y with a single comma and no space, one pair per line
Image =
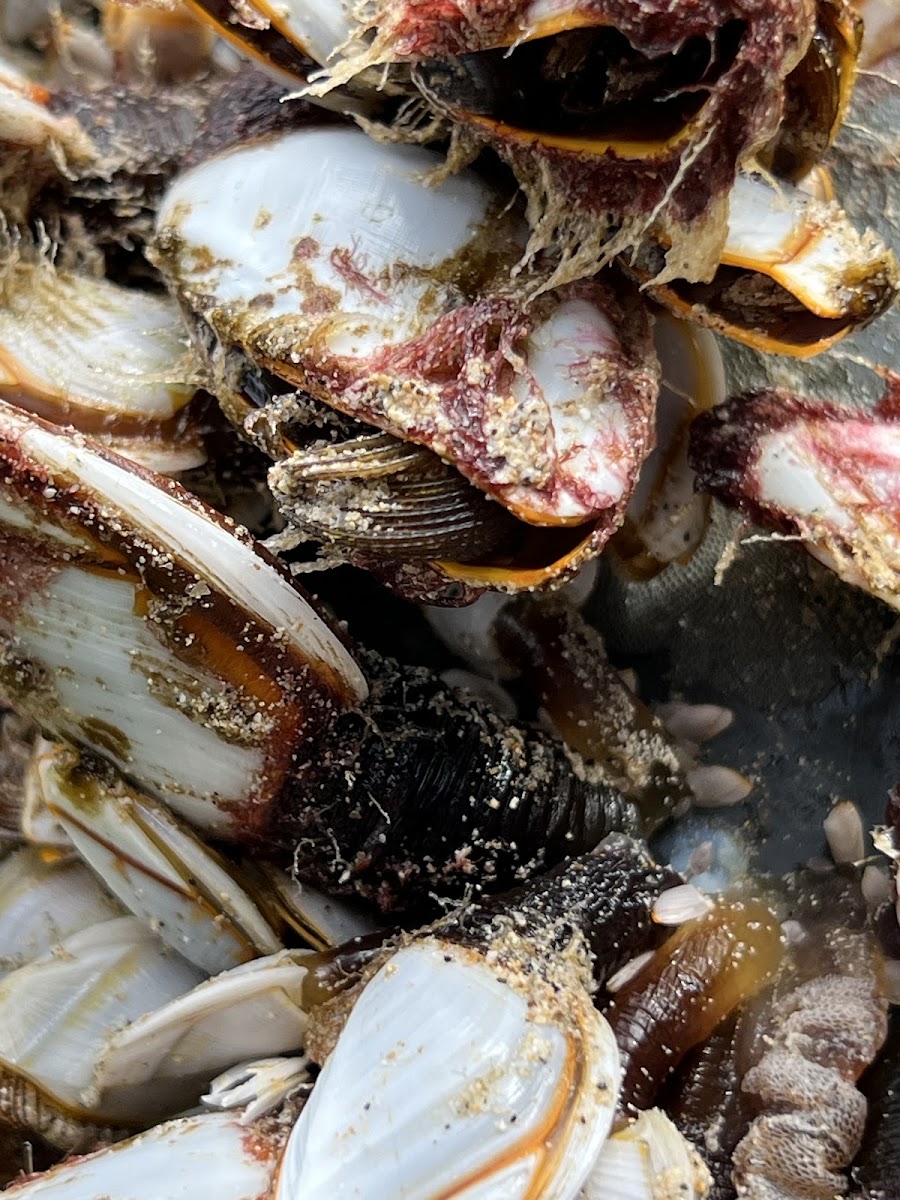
108,359
648,1160
156,866
252,1010
42,902
59,1010
804,244
457,1076
329,261
209,1155
190,660
321,226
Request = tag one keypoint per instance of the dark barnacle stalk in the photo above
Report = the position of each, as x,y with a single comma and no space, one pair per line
606,896
695,980
591,707
426,791
138,623
705,1098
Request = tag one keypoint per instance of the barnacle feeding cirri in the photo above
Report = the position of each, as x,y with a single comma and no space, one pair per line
539,340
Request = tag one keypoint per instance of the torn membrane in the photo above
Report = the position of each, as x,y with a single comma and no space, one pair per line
614,115
809,469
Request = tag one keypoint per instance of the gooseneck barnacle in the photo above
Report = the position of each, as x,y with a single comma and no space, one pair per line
307,893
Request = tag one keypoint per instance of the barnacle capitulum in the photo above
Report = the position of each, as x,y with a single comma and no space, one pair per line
525,1076
394,305
118,1030
474,1059
794,276
156,866
648,1159
138,622
288,39
108,360
610,115
817,92
43,902
211,1153
812,470
59,1011
530,1106
167,1056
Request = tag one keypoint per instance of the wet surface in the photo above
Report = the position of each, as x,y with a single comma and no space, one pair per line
811,668
809,665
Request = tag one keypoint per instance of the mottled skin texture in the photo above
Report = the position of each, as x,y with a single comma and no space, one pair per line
607,896
822,1035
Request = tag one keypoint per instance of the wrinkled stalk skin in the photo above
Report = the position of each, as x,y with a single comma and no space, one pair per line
707,1104
607,896
692,983
564,660
424,791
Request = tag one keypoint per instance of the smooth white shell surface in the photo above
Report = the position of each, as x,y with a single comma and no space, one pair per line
323,222
210,1157
445,1084
42,903
159,870
590,430
191,732
84,628
792,479
58,1011
318,27
245,1013
668,514
323,920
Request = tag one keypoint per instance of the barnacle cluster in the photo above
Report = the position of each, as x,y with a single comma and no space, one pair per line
498,323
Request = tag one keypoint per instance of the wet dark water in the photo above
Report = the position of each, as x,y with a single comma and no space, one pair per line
811,668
